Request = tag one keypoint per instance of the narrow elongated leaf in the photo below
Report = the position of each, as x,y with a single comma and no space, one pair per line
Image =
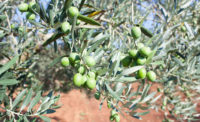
99,56
156,98
25,119
113,93
126,79
97,43
53,38
131,70
150,96
141,114
9,64
88,20
1,36
27,99
45,119
55,61
95,13
145,91
134,104
6,75
38,24
19,98
8,82
2,17
46,106
67,5
35,100
189,29
3,3
2,92
146,32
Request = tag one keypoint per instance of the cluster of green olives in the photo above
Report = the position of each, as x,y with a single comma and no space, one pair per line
24,7
114,116
83,77
139,56
66,26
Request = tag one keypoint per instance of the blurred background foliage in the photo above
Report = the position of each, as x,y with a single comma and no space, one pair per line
35,47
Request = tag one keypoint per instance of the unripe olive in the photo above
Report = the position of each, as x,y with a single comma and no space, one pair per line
81,69
151,76
142,73
78,79
145,51
78,22
65,27
141,60
65,61
73,11
183,28
30,16
23,7
32,5
91,83
13,26
90,61
74,57
126,61
136,32
91,74
133,53
97,95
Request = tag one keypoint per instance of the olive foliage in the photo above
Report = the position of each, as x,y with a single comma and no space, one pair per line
170,30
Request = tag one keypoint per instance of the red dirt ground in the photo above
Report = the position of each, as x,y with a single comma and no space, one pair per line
77,107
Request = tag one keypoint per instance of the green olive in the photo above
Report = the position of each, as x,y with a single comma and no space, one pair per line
13,26
30,16
91,83
65,61
142,73
133,53
73,11
78,79
151,76
65,27
23,7
97,95
136,32
141,60
145,51
81,69
78,22
74,57
183,28
126,61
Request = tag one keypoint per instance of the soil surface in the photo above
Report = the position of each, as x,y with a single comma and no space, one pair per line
78,107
